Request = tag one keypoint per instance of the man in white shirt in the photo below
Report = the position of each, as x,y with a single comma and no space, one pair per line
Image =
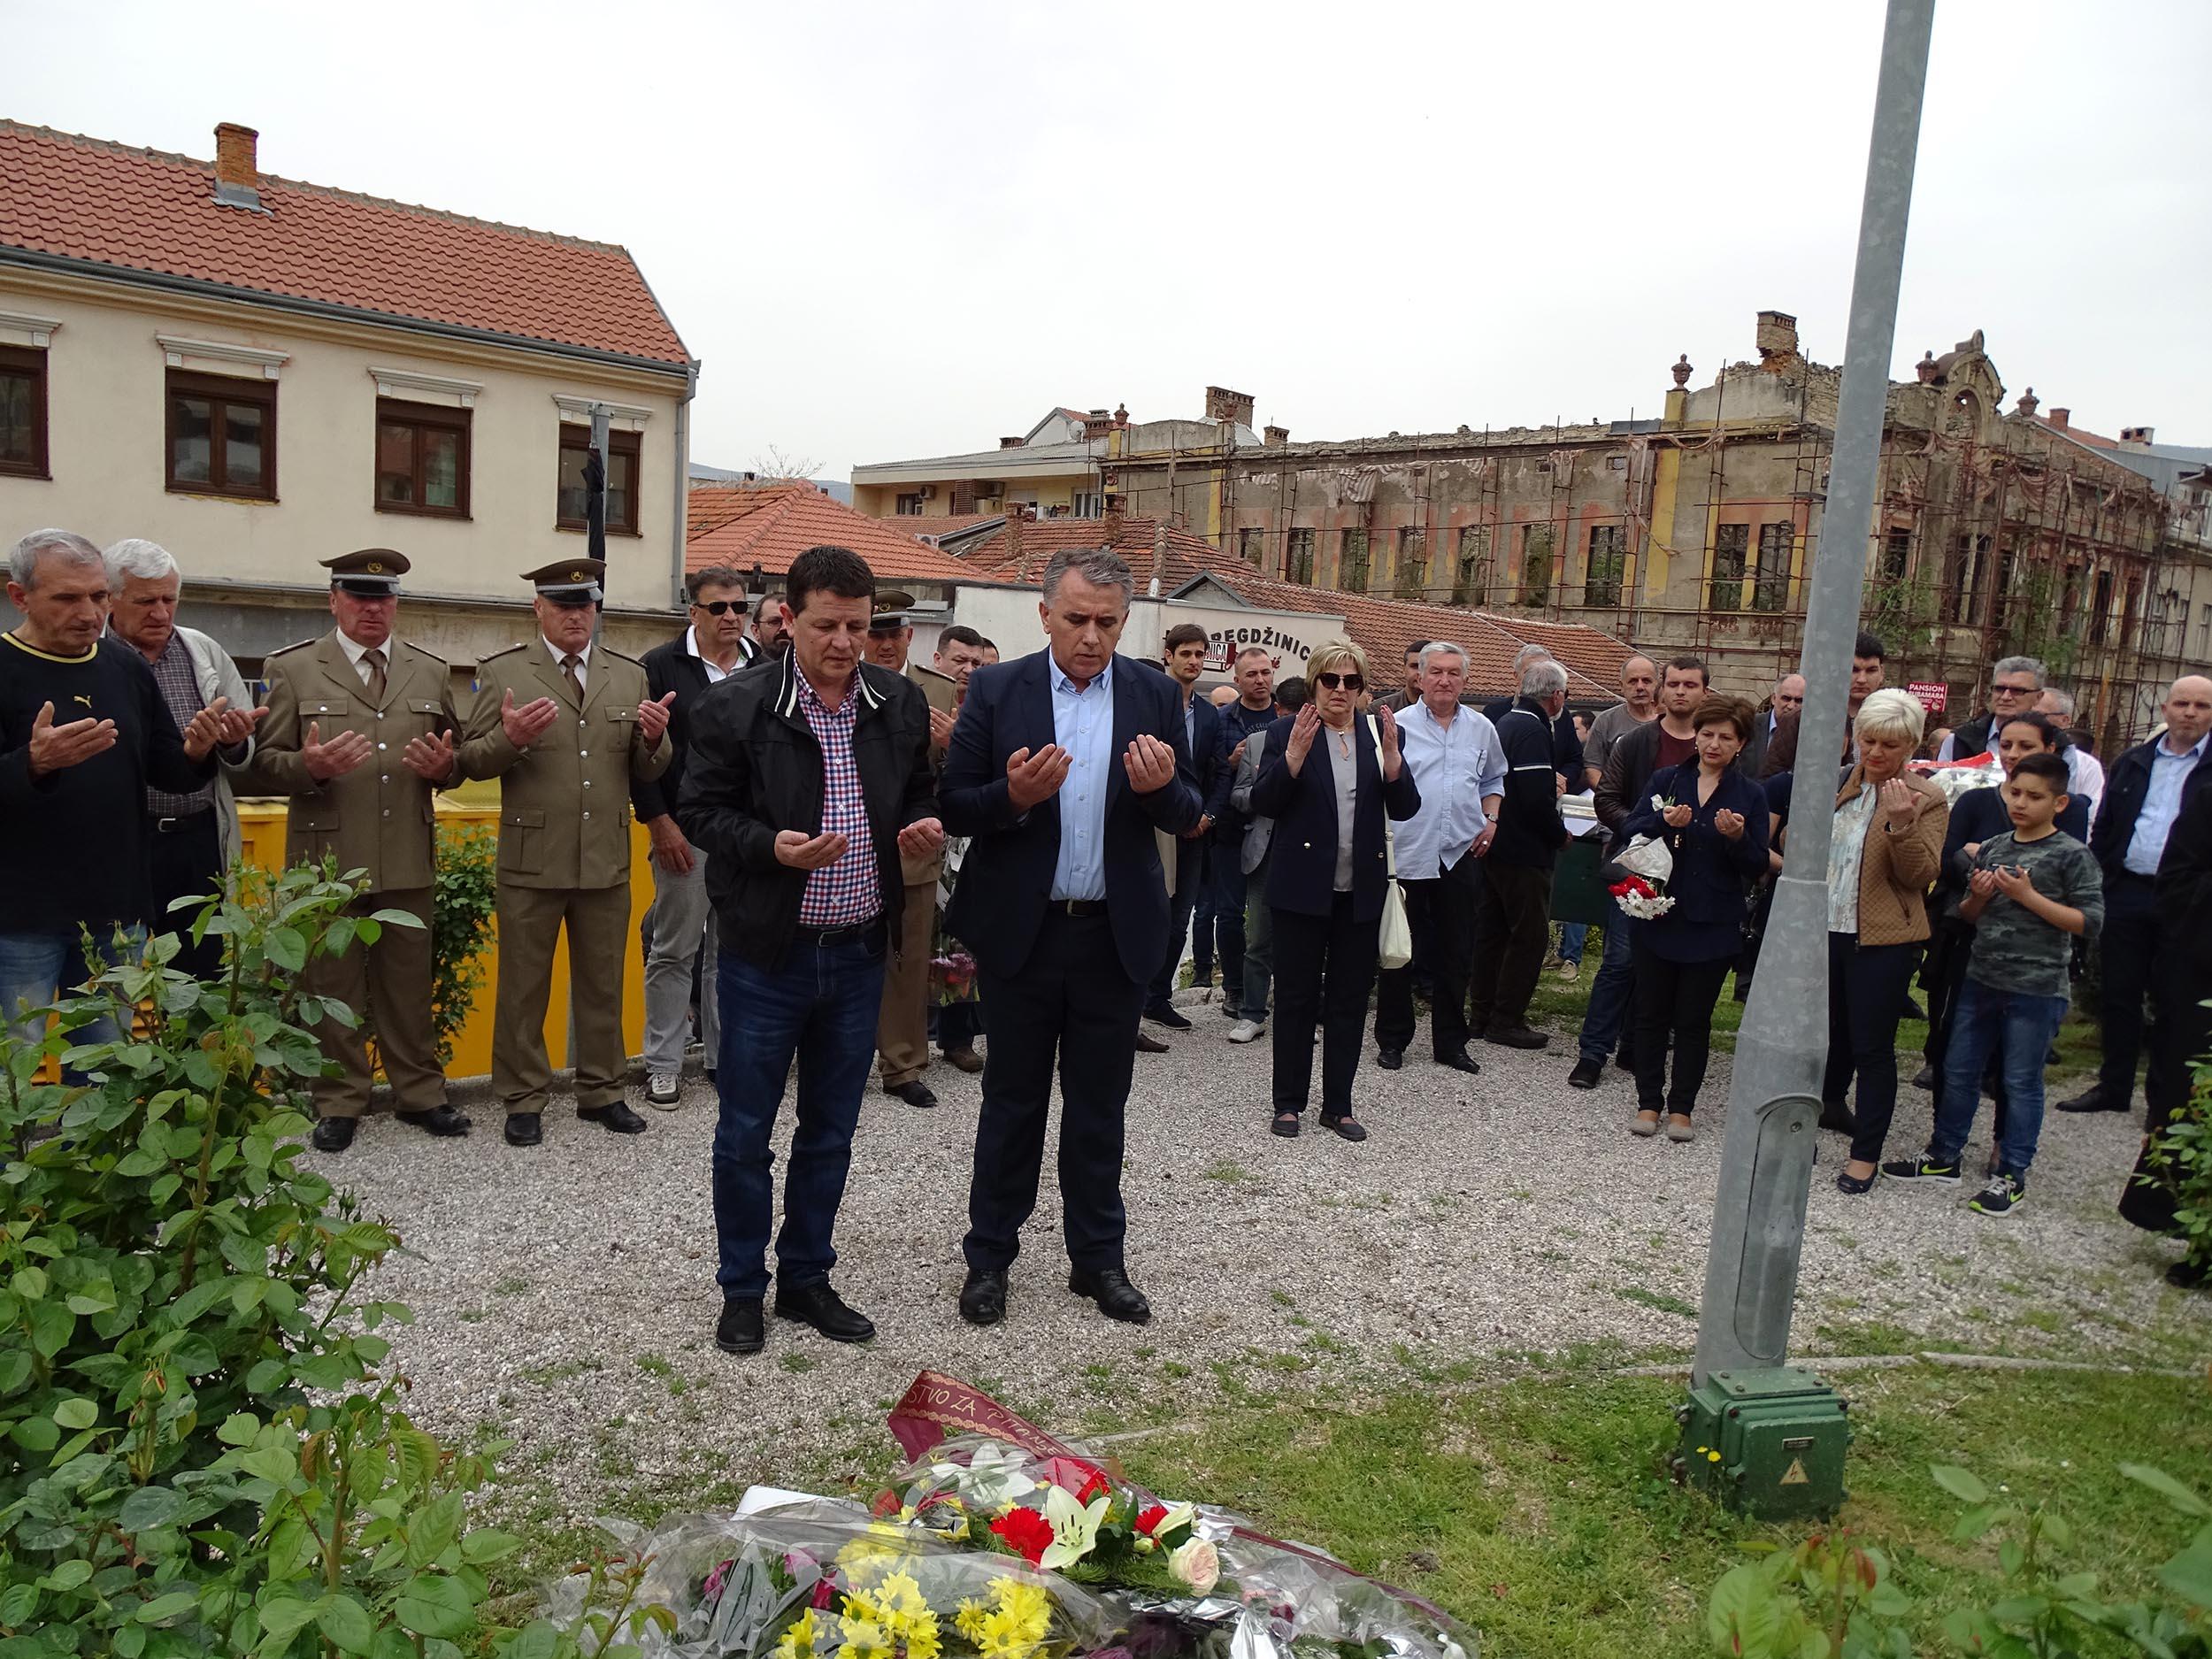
1460,770
2084,773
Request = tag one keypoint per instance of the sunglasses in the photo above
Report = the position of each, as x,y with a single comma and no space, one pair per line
719,607
1350,682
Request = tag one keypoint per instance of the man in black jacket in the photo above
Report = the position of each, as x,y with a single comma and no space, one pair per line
1063,767
2015,683
1566,741
679,926
808,780
1513,910
2147,789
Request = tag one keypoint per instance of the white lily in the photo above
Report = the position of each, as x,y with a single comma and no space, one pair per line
1074,1526
994,1477
1178,1515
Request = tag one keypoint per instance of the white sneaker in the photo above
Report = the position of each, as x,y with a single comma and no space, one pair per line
1245,1031
660,1092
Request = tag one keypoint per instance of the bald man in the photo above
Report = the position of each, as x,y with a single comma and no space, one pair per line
2146,790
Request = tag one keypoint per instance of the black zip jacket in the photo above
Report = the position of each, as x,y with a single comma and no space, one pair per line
755,769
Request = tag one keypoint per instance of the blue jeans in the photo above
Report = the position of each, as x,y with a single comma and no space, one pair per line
2019,1028
1571,937
820,1004
1609,992
1225,860
1259,946
34,966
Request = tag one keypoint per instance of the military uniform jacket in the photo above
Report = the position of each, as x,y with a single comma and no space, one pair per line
380,816
942,693
564,802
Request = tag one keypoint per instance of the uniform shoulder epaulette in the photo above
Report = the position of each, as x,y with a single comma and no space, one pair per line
296,645
624,656
501,651
420,650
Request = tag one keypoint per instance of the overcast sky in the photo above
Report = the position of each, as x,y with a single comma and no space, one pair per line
897,230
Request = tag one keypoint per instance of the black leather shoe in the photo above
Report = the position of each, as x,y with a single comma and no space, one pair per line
1625,1059
915,1093
1459,1060
1587,1074
2094,1100
1517,1037
1391,1059
1115,1296
1925,1079
1147,1043
1836,1116
1167,1014
739,1329
440,1119
332,1135
615,1114
819,1306
1349,1128
524,1129
983,1297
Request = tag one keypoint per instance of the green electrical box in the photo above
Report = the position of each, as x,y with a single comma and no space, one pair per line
1768,1443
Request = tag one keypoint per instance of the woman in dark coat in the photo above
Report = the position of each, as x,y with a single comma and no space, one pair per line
1714,820
1328,781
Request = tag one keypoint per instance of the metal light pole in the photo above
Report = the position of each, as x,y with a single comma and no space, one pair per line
1767,1157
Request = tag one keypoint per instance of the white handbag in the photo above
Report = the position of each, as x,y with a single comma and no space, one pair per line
1393,947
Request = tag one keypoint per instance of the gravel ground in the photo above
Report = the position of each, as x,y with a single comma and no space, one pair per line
564,1295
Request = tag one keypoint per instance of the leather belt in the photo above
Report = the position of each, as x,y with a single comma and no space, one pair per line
841,935
1078,907
178,825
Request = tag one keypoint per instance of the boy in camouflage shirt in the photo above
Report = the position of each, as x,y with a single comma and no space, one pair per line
2033,888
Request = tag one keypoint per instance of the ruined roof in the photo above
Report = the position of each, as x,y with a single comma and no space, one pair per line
1152,549
145,212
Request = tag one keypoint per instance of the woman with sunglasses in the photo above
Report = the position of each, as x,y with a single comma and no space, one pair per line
1328,781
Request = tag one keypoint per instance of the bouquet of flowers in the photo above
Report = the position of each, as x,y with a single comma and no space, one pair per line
997,1541
1644,865
1954,778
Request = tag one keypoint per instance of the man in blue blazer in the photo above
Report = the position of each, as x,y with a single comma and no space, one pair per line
1062,766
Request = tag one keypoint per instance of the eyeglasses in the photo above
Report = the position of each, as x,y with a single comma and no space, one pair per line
719,607
2015,691
1350,682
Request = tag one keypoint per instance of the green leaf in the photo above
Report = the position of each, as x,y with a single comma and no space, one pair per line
282,1614
2011,1557
430,1605
537,1639
2167,1487
488,1545
239,1429
1743,1618
29,1283
50,1326
1960,1483
173,1605
2019,1610
76,1412
2189,1574
18,1602
286,948
2075,1585
69,1574
277,1463
347,1623
433,1531
150,1507
37,1434
2056,1529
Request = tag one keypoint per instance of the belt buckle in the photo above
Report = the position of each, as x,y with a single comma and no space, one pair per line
164,826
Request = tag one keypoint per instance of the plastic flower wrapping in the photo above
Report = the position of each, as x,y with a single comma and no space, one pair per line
997,1541
1954,778
1644,865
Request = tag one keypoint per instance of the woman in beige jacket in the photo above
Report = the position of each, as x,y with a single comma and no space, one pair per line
1886,849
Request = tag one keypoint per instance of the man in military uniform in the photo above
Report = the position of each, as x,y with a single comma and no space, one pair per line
566,726
903,1027
359,733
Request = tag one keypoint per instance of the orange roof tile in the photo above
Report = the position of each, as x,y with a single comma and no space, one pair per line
772,524
84,199
1152,549
932,526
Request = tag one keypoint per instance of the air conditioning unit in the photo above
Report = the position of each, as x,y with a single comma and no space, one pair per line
929,492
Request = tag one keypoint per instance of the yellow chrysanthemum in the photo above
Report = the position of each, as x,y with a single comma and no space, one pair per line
798,1641
864,1639
1017,1624
864,1560
967,1619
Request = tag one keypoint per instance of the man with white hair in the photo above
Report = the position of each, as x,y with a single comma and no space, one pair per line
2014,684
1566,742
2084,773
192,834
83,733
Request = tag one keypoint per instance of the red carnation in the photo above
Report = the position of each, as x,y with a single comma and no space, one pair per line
1024,1531
1151,1518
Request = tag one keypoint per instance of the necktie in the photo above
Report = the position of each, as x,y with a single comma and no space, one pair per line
569,664
375,658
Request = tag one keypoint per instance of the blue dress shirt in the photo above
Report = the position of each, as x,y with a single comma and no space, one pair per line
2161,806
1083,725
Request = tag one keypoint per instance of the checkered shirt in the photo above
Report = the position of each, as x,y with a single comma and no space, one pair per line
848,892
180,690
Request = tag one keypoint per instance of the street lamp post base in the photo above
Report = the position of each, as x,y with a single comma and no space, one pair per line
1768,1443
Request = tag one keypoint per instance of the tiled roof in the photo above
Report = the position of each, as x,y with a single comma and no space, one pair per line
1385,627
772,524
146,211
1152,549
932,526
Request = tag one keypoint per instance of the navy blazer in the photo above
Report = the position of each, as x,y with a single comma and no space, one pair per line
1710,883
1006,878
1208,753
1301,864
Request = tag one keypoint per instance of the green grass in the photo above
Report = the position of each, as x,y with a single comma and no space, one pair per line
1541,1513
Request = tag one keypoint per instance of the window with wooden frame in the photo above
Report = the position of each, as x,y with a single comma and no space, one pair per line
1606,564
1470,582
23,412
1352,562
1298,558
1771,590
422,458
1412,577
1536,551
221,436
624,454
1251,541
1731,549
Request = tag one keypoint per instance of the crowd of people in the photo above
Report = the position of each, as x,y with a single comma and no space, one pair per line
855,855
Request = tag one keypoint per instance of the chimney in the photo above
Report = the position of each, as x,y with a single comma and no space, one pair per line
237,169
2060,416
1017,515
2135,434
2029,403
1113,517
1777,340
1097,423
1009,443
1224,404
1277,436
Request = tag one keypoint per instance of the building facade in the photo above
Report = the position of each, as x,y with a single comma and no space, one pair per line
258,374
